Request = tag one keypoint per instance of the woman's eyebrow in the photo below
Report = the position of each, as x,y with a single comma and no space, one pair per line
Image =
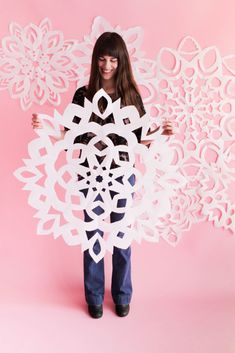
112,57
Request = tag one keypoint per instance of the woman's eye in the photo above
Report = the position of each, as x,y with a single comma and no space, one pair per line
113,60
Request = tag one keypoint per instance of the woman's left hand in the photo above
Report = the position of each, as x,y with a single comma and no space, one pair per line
167,127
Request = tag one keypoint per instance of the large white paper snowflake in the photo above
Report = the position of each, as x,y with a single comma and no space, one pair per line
196,91
36,63
66,178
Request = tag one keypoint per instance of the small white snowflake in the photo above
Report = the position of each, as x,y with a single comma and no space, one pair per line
36,63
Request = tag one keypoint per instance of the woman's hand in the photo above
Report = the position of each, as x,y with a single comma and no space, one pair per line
167,127
36,122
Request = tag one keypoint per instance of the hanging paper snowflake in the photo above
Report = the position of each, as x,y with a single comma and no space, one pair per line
196,91
36,63
67,178
179,86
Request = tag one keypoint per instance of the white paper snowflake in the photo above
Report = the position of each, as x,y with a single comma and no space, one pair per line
196,92
66,178
36,63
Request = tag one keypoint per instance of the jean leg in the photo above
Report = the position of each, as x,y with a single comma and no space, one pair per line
93,272
121,287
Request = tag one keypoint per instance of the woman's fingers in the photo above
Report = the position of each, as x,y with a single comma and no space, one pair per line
167,122
36,123
167,132
167,128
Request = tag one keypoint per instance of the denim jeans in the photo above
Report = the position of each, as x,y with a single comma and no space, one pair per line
94,279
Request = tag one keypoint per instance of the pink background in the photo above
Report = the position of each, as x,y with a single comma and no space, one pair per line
183,297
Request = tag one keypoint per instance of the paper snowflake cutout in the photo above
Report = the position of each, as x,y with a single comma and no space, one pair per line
66,178
36,64
196,91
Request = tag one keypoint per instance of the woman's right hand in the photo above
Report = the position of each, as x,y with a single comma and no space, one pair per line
48,128
36,122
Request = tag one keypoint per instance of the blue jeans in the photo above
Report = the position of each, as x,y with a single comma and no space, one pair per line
121,287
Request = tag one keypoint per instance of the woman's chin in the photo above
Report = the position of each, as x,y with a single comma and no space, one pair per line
107,77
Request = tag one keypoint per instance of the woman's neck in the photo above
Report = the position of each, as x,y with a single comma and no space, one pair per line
108,86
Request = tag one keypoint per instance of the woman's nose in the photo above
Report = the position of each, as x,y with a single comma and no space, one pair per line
107,65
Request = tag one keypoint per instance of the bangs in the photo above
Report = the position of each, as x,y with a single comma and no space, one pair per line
109,47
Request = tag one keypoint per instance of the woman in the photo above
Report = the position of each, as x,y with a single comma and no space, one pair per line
110,70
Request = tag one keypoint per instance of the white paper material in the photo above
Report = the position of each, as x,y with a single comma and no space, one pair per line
37,64
197,93
155,183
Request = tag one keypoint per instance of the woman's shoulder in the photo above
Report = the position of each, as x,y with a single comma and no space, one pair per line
79,95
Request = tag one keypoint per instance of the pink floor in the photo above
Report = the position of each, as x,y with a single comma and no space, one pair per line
183,299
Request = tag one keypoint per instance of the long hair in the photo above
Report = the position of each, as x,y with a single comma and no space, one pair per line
112,44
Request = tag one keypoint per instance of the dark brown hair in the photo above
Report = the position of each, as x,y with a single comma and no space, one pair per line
112,44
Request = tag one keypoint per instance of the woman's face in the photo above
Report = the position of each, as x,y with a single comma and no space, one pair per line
107,66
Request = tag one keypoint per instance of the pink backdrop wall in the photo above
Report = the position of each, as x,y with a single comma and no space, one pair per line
184,296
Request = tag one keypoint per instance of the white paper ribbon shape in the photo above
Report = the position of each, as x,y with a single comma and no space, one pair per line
66,178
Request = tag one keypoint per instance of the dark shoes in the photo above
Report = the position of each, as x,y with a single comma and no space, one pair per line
122,309
95,311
